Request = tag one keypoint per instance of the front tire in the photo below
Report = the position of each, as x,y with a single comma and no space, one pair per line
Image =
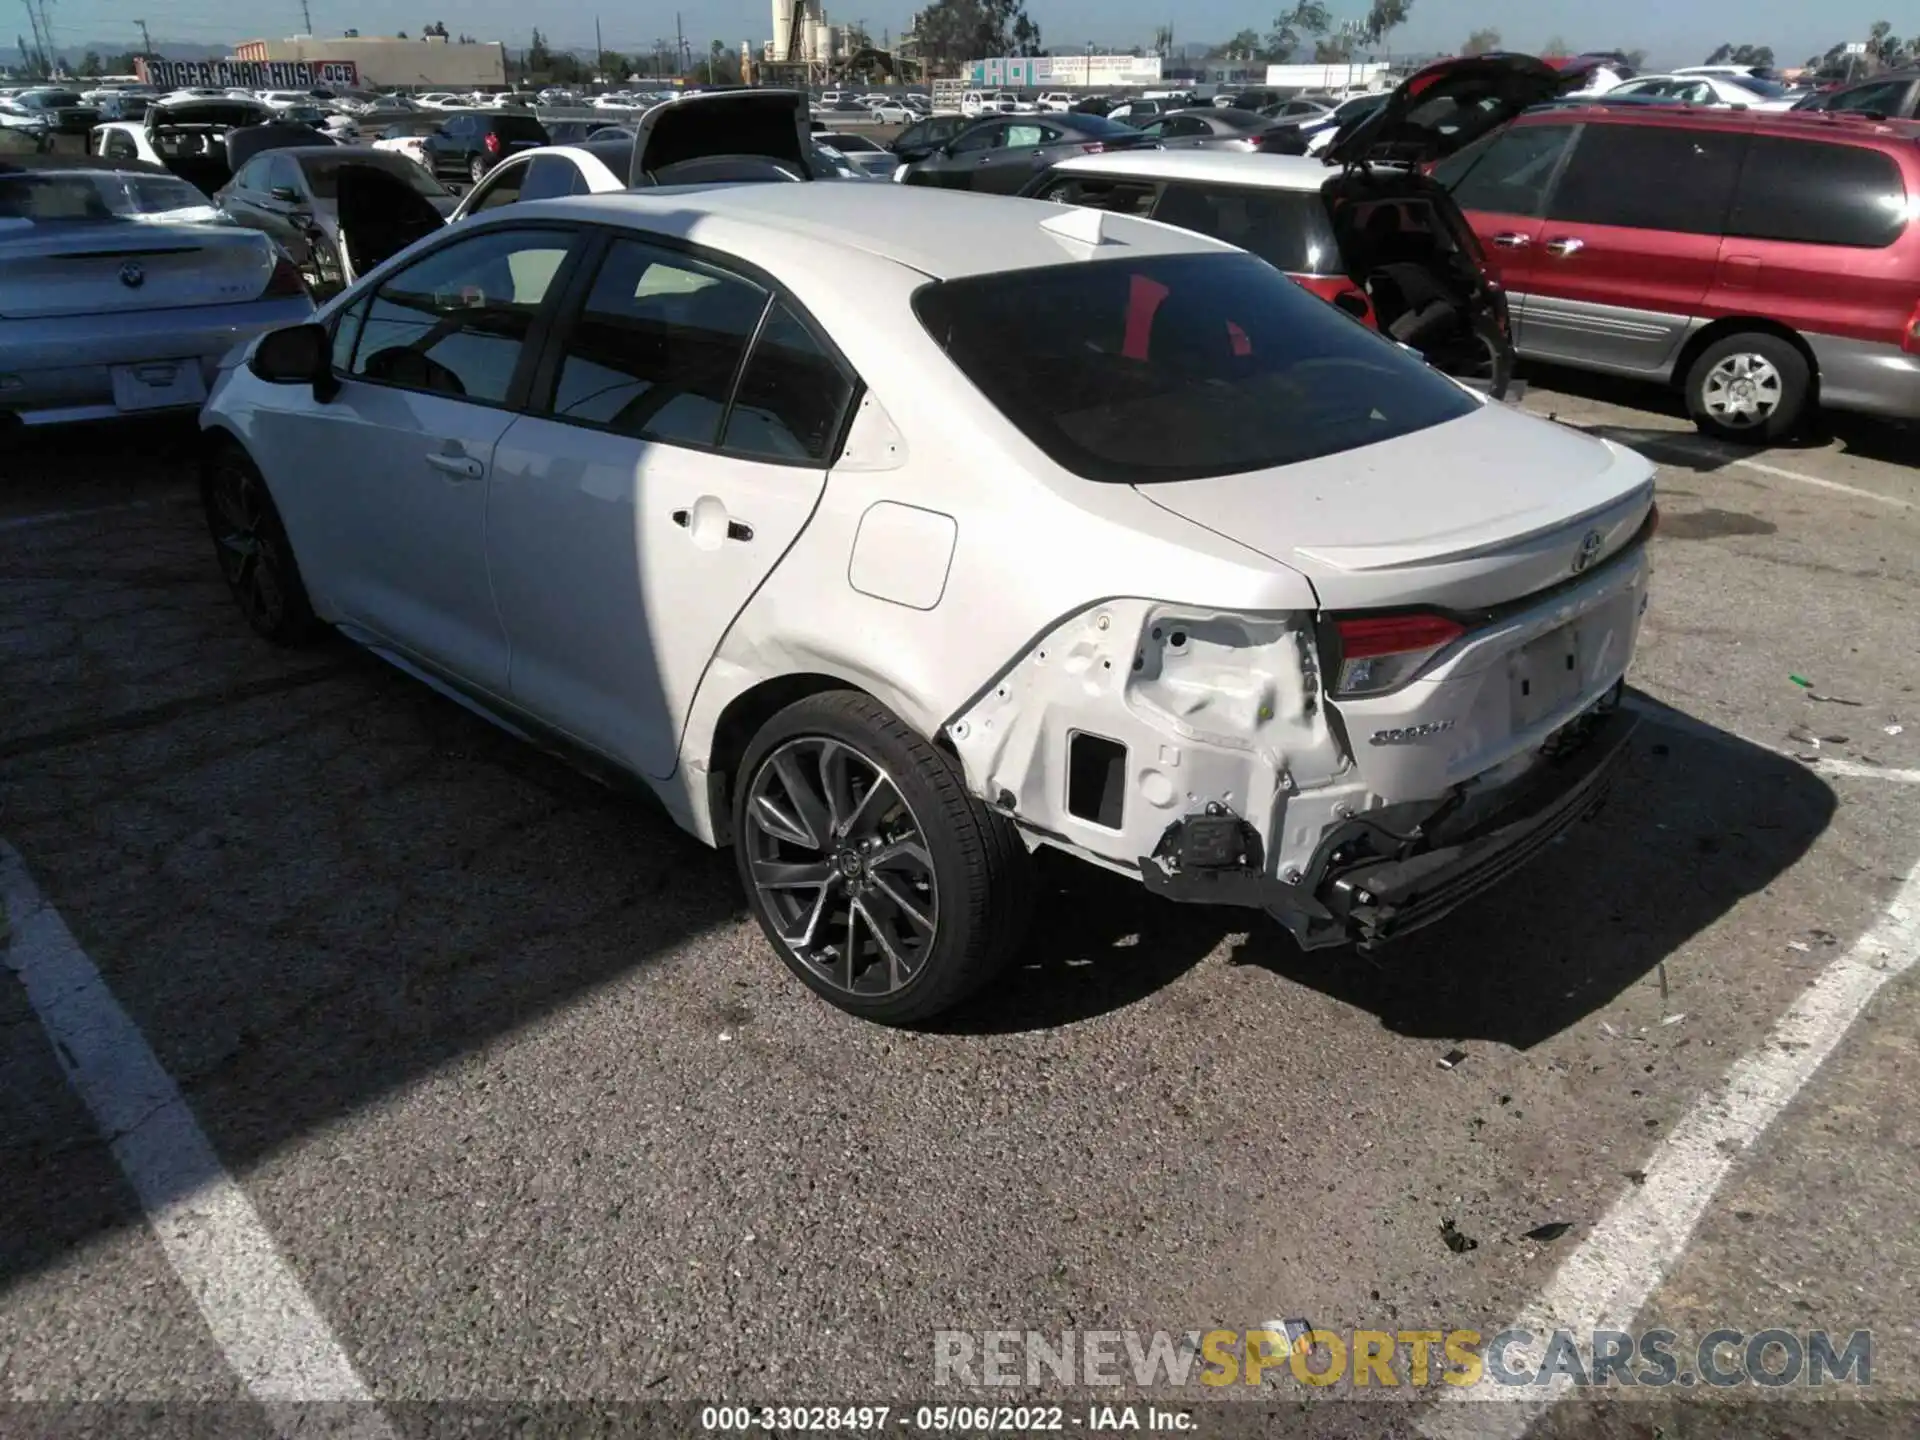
1752,388
880,882
256,559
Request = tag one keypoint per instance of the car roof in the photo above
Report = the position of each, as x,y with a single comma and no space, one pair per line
943,234
1222,167
1809,124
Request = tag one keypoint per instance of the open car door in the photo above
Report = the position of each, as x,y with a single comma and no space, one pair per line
380,215
725,135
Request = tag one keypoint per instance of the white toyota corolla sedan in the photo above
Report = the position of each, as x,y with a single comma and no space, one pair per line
890,534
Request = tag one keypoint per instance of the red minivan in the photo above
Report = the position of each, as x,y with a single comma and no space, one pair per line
1764,263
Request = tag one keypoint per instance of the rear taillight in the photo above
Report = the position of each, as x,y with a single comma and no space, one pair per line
285,282
1910,339
492,143
1379,653
1092,147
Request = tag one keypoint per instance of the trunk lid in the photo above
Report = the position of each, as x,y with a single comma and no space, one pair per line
1449,104
93,267
711,136
1466,515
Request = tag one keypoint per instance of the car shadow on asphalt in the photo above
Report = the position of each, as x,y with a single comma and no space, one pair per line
1696,822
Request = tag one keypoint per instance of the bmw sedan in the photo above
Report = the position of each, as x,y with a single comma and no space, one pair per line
889,537
110,305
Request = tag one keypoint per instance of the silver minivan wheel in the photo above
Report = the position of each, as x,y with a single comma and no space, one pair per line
1743,390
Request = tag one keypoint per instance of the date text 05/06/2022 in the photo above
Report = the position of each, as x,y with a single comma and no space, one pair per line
944,1419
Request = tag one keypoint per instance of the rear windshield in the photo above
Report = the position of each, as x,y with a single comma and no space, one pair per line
1289,229
1179,367
49,195
1097,125
323,172
519,127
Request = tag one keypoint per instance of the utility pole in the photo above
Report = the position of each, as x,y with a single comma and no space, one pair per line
599,45
306,19
679,46
146,40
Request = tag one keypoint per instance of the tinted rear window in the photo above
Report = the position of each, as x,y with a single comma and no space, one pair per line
519,127
1179,367
1818,194
1099,125
1288,229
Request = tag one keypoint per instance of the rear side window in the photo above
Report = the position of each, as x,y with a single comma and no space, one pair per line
1649,177
519,127
793,396
1509,174
655,350
549,177
1289,229
1819,194
1122,197
1180,366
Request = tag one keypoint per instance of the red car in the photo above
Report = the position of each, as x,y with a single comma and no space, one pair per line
1763,263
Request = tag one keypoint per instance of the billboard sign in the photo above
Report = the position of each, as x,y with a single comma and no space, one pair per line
1039,71
249,74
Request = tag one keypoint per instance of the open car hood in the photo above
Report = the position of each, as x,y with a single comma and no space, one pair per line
1452,103
379,215
723,135
251,140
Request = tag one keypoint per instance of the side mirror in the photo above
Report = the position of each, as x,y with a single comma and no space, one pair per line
286,194
297,355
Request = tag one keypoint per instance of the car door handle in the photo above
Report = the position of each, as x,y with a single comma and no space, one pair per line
1565,246
1512,240
460,467
736,530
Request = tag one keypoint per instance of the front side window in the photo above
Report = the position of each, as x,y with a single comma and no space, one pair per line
656,347
1177,367
1650,177
793,395
455,322
1509,174
283,173
1819,194
549,177
1177,125
501,188
1289,229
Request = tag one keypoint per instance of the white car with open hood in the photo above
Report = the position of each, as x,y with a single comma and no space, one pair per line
889,535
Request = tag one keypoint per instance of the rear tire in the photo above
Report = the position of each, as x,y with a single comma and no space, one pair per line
886,887
477,169
256,559
1751,388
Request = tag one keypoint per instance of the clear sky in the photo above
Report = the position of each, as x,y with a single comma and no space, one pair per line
1671,31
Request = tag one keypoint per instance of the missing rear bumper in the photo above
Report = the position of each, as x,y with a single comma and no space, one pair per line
1379,877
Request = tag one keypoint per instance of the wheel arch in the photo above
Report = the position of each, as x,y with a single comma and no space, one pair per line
1727,325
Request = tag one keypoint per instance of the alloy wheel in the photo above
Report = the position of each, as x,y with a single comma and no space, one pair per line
250,557
1742,391
840,865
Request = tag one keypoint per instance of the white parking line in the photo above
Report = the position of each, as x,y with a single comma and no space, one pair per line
262,1320
1689,445
1687,724
60,517
1606,1281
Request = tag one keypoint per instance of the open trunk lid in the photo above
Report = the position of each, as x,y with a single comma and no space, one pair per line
1451,103
724,135
93,267
1470,514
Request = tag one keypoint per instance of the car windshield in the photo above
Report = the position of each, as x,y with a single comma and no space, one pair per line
323,172
1179,367
93,195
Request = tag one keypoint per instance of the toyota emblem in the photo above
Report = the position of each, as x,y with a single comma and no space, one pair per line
132,276
1590,544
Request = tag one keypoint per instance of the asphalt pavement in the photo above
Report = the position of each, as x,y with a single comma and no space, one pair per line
505,1094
